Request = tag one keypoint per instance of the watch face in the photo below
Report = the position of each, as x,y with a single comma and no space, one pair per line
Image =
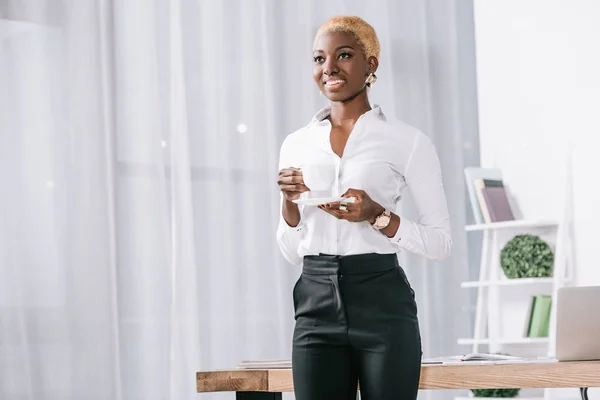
382,221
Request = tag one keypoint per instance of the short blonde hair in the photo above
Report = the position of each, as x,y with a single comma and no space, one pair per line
355,26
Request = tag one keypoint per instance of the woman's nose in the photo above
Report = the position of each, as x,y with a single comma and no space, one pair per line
330,66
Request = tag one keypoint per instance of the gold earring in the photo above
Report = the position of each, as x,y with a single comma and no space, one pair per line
371,79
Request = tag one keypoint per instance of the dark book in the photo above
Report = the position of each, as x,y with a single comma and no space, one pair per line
497,203
493,183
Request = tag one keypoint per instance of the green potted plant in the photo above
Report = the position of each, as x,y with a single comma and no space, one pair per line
526,256
495,393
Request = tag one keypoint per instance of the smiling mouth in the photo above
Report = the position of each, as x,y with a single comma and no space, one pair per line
334,84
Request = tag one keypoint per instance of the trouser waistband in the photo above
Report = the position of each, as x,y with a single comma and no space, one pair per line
326,264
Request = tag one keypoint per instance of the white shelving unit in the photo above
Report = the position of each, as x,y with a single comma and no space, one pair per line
511,225
508,282
496,294
524,340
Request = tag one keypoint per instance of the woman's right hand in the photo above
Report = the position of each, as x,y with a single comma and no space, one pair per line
291,183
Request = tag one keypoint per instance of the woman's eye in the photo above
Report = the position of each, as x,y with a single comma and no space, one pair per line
318,59
344,55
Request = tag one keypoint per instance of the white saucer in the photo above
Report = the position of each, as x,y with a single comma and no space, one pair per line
322,200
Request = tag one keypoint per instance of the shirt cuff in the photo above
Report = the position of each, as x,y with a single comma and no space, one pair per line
289,238
293,229
403,234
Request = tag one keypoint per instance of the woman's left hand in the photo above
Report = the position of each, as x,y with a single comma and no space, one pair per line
363,208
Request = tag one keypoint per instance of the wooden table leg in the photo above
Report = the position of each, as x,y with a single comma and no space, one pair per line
257,396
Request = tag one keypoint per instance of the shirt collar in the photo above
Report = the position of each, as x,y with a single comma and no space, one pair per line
376,110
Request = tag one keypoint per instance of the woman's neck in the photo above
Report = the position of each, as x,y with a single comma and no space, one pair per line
347,112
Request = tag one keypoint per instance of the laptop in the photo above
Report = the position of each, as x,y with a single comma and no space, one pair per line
578,323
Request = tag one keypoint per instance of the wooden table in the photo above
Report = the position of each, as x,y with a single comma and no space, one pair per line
269,384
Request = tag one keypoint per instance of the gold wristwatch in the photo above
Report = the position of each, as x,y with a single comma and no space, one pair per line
382,220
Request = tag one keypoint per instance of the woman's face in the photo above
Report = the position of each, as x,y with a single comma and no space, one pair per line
340,67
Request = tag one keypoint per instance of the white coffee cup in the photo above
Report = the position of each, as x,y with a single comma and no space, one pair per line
318,177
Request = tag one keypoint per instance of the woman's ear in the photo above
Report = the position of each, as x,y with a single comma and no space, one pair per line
373,64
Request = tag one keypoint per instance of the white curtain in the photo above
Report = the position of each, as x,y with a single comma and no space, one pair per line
138,160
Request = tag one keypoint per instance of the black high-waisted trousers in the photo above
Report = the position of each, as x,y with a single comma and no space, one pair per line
356,321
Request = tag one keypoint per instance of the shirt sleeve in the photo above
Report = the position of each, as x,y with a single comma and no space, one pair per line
289,237
430,236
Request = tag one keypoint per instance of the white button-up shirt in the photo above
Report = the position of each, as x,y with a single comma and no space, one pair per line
383,157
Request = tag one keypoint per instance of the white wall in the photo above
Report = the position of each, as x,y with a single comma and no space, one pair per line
538,72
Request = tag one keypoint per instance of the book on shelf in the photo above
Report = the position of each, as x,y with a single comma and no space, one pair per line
538,323
471,175
488,195
495,200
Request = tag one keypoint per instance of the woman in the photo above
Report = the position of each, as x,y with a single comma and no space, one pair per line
356,316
